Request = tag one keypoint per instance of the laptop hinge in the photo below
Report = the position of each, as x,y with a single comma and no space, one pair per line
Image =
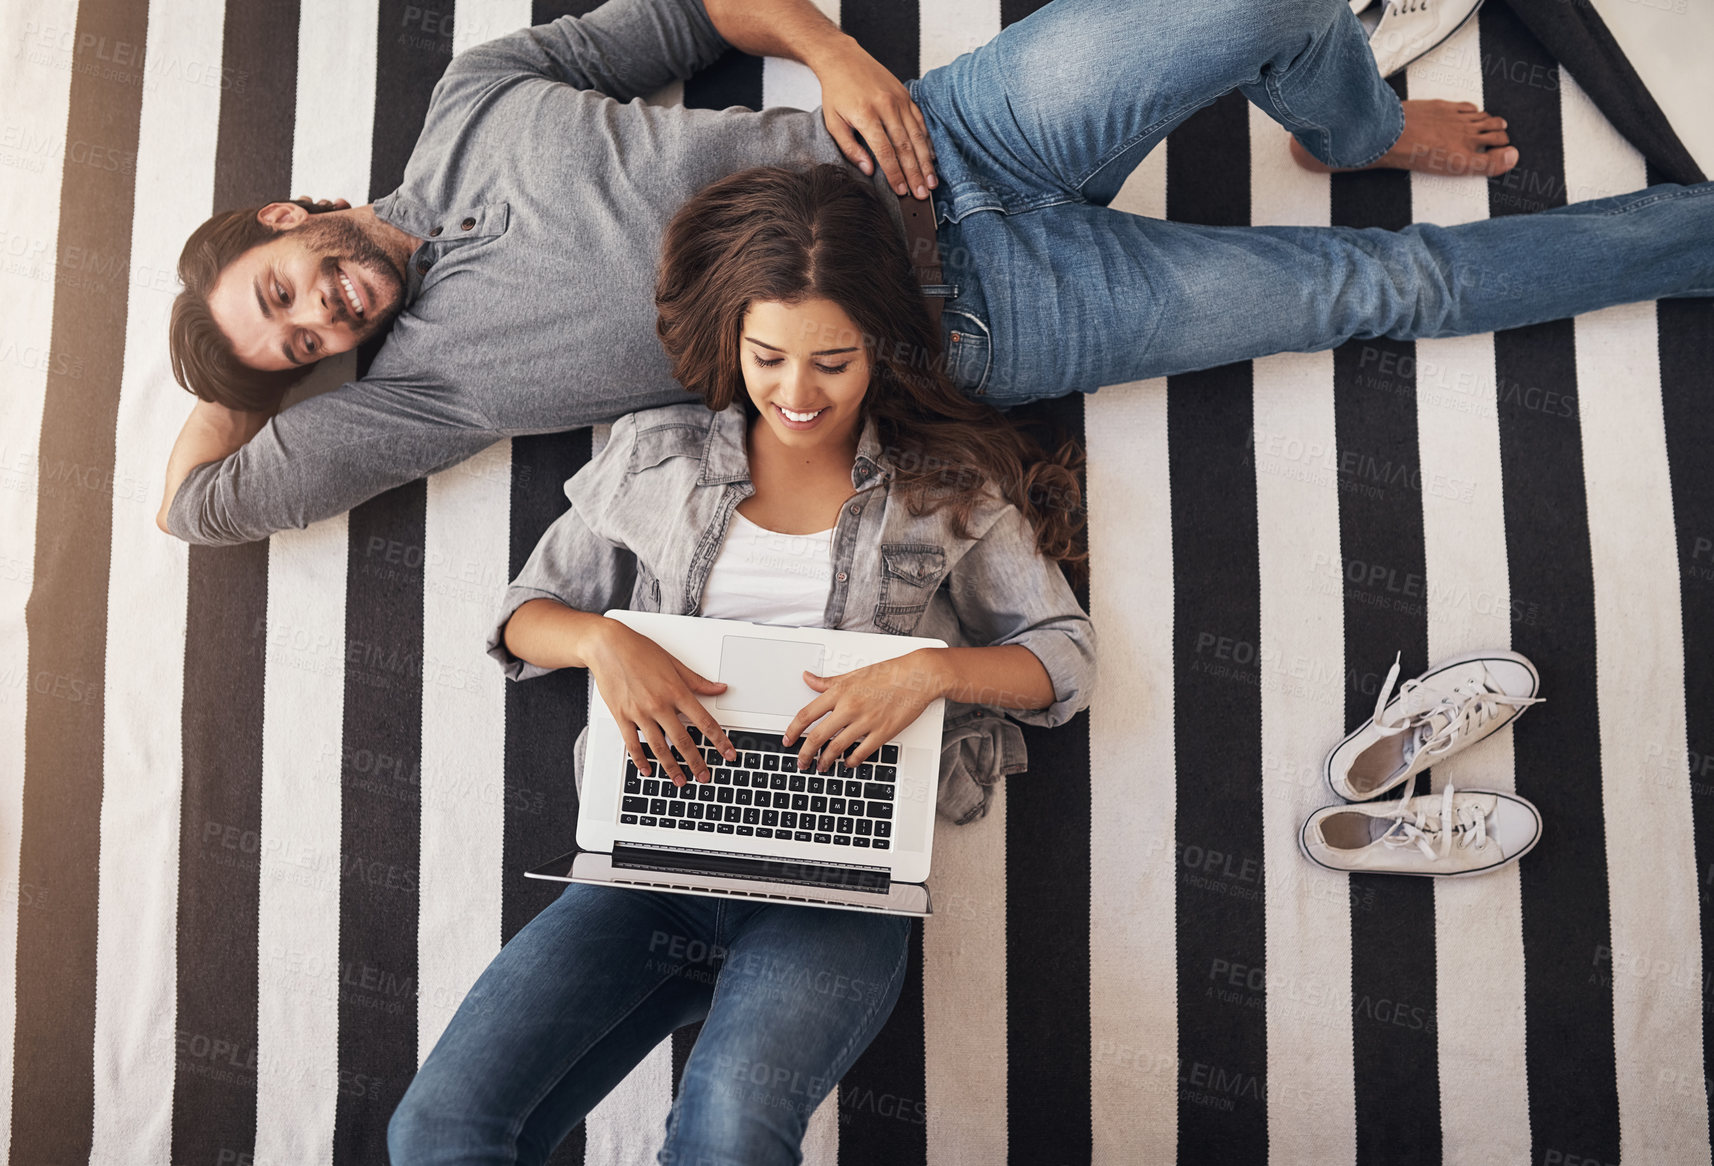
672,860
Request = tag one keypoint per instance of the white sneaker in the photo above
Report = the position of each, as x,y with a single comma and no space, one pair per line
1409,29
1359,5
1454,704
1450,834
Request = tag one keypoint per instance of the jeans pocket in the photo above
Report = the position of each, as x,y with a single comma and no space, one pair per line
969,355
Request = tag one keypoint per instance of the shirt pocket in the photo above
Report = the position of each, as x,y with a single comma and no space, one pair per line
910,575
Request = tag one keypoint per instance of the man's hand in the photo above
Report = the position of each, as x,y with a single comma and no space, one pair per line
211,433
860,97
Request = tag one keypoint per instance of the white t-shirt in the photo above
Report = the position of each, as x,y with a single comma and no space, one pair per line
767,577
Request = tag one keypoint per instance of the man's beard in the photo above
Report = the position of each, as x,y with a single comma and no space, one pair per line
341,241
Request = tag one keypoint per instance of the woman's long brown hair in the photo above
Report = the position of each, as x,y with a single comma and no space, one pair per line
777,234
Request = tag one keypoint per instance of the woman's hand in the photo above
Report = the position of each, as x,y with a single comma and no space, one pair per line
871,705
646,689
859,96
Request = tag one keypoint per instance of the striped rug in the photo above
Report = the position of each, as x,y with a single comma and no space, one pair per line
264,811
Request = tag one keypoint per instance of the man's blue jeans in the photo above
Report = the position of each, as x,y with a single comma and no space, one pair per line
788,996
1035,132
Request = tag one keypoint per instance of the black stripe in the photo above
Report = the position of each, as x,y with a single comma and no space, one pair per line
544,11
1573,1087
1217,710
1395,1066
226,644
381,766
1687,385
1048,817
733,79
543,716
53,1101
889,31
883,1097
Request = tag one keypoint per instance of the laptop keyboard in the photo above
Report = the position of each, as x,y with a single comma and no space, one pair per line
763,795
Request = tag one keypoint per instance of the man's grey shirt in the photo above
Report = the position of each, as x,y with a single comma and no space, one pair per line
541,185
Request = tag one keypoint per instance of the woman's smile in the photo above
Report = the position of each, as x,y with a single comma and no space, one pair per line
800,420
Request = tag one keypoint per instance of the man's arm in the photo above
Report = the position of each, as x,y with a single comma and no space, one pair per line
623,49
210,433
858,95
318,458
630,48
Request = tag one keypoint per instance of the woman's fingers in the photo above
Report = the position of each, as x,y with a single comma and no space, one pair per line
634,748
841,744
658,746
699,685
806,716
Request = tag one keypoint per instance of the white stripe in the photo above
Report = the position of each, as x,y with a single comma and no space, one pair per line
790,84
950,28
477,21
465,560
1478,932
466,546
821,1137
1133,939
628,1125
297,1007
337,45
137,943
303,727
1652,881
1301,665
35,90
964,990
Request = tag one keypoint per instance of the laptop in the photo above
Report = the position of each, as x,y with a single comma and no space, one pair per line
854,839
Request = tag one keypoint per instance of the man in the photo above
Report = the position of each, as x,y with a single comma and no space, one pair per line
516,261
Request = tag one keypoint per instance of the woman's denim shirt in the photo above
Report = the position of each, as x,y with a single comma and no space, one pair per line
649,514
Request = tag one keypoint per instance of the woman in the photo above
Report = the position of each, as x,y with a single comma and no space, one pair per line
830,475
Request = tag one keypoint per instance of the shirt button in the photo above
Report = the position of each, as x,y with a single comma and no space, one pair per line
422,267
467,224
435,232
856,509
840,576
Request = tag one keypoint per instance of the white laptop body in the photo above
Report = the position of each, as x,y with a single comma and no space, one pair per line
871,855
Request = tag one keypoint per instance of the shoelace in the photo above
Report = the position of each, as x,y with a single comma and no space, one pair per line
1458,713
1463,820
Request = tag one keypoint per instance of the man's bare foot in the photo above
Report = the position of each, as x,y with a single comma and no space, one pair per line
1440,137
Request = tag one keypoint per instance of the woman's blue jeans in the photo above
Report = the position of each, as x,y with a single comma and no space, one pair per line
788,996
1035,131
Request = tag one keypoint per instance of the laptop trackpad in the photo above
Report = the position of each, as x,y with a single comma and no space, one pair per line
765,676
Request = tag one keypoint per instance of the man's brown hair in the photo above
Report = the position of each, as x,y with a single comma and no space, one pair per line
202,356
